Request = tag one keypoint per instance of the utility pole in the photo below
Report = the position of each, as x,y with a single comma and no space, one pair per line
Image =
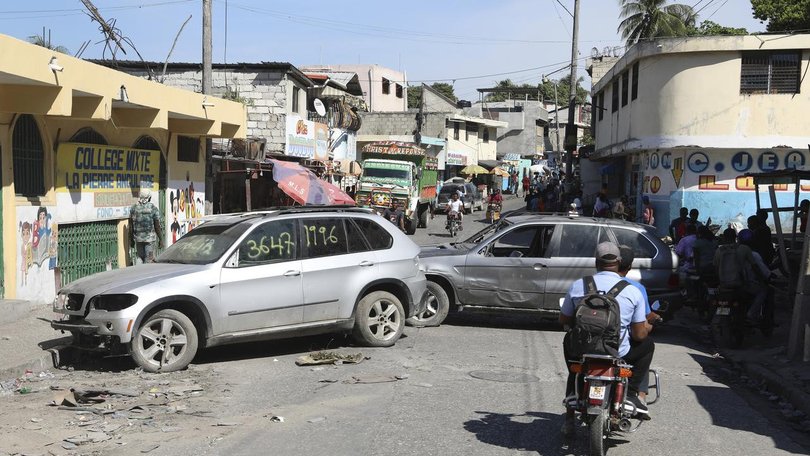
207,44
571,128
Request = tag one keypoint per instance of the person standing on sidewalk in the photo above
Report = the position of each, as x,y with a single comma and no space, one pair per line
144,223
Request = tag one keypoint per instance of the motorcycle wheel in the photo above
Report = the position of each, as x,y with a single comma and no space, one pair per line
452,229
722,330
598,433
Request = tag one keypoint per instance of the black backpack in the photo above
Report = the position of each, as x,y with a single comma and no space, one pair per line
597,321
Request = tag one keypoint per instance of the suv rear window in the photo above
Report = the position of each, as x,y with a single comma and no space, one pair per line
449,189
642,247
377,237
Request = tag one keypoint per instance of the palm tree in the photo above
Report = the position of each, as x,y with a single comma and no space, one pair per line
647,19
42,40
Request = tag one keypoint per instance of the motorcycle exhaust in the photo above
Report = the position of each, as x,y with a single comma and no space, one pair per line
625,425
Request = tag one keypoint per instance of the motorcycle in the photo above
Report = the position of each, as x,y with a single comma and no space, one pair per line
453,223
493,212
728,320
601,398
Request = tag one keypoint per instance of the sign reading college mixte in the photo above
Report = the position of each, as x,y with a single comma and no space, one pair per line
107,178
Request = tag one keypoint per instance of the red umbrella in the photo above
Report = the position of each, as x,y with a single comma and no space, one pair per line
303,186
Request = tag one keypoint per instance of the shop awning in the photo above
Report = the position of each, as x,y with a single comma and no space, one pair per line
489,164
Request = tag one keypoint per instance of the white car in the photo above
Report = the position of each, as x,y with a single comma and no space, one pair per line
252,276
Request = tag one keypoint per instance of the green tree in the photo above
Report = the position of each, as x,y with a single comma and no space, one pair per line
647,19
783,15
709,28
42,40
445,89
544,90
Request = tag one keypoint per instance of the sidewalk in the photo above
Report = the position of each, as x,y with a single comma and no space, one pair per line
764,361
26,342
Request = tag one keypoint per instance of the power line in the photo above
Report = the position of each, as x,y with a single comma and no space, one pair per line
566,9
704,7
109,8
718,9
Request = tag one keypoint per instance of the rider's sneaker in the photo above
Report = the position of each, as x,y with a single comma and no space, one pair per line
642,412
569,427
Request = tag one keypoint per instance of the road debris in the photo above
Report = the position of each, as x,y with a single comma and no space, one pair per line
329,358
276,419
371,379
150,448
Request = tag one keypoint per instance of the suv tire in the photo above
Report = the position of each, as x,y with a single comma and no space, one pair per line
437,308
378,320
170,329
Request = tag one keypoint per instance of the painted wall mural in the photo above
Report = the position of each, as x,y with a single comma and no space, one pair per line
187,206
714,182
37,247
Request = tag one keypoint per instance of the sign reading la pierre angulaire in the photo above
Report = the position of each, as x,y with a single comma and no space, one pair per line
101,168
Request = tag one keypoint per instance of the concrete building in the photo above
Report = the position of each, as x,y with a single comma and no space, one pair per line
77,143
274,93
384,89
683,120
457,139
526,124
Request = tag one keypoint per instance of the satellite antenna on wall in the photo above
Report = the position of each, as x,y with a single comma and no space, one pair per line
319,108
606,51
595,53
617,51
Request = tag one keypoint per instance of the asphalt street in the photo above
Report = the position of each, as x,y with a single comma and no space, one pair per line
477,385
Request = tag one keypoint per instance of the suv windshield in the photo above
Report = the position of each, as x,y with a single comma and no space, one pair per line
486,232
203,245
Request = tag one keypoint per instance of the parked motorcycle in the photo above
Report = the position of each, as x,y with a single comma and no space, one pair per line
728,321
601,398
493,212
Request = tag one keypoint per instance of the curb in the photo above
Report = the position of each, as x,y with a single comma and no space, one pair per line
795,396
50,358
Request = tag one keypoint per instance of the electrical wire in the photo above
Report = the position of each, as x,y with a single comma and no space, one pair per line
718,9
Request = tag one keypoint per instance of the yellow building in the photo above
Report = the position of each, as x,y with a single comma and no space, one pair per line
77,142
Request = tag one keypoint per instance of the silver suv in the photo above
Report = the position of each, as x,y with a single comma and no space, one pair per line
252,276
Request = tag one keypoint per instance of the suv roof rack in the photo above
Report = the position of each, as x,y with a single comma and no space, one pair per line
315,209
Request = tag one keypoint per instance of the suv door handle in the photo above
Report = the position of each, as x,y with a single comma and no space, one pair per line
366,263
292,273
539,266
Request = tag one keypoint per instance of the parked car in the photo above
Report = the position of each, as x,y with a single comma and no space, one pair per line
252,276
472,199
528,262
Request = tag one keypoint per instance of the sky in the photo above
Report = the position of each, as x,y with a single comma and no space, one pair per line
468,43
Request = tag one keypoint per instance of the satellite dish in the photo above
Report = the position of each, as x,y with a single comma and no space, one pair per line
606,51
595,53
617,51
319,108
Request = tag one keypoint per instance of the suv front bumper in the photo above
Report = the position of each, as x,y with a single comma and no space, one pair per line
93,325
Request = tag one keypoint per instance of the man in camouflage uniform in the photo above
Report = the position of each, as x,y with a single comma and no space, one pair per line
144,222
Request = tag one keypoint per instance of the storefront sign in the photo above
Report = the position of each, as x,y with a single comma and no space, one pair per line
300,137
321,141
105,169
456,159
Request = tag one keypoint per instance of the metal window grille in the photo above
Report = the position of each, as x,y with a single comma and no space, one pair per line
87,248
89,136
386,86
28,157
634,85
769,73
188,149
399,91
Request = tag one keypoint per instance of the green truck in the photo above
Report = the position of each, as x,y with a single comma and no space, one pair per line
401,173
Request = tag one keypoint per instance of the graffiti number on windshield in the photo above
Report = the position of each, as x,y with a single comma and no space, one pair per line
317,235
269,246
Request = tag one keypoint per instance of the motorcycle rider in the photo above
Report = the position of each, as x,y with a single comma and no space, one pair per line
732,260
634,346
455,208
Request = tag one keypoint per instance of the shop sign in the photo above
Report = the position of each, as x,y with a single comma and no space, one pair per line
300,137
321,141
456,159
118,171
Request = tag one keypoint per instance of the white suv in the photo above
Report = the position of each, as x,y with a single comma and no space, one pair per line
252,276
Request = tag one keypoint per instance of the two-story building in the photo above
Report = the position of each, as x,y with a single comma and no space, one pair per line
384,89
684,119
78,142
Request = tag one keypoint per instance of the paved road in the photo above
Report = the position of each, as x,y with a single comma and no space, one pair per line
477,385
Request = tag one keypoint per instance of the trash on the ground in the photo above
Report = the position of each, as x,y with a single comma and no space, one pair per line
227,423
317,368
97,411
316,419
329,358
36,420
170,429
92,393
403,376
24,390
424,385
149,448
65,398
328,380
277,419
371,379
89,437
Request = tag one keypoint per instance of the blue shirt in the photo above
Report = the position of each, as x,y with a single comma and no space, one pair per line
643,293
631,301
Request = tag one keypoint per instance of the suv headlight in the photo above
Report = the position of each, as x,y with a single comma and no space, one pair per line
113,302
